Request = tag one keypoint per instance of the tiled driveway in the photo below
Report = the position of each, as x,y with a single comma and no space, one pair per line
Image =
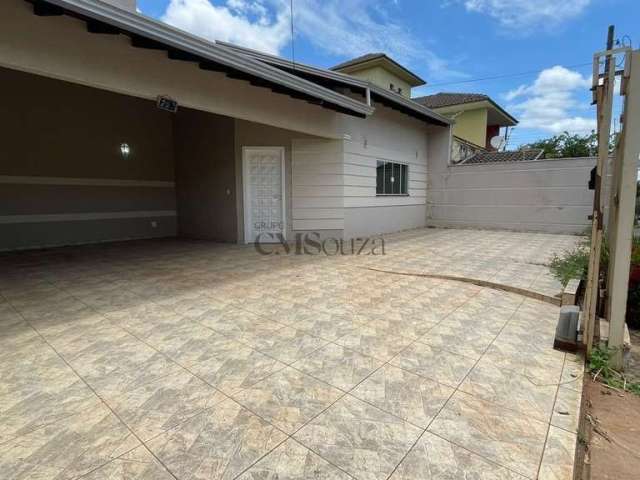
190,360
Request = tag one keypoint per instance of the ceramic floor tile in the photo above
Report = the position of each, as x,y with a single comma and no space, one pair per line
286,344
463,341
509,390
326,325
374,342
108,309
436,459
219,443
292,461
46,404
566,411
338,366
544,369
439,365
558,459
503,436
359,438
573,372
288,399
153,407
235,369
138,464
70,447
404,394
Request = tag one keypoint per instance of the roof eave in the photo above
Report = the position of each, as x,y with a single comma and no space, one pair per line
410,77
345,78
137,24
510,121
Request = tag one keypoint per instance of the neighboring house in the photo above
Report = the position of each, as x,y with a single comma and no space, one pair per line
258,145
383,71
477,120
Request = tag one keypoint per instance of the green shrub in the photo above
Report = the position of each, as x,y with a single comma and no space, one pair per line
570,264
600,367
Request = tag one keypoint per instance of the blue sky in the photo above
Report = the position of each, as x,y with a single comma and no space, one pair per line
443,41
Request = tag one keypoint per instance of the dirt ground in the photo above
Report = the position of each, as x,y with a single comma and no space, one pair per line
615,433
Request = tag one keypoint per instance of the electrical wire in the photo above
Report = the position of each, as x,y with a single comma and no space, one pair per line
509,75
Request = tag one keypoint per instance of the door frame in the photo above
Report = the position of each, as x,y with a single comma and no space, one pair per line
246,201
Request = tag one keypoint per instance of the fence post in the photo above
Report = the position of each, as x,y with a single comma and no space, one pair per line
627,156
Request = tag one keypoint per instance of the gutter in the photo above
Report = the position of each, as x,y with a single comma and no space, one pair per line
143,26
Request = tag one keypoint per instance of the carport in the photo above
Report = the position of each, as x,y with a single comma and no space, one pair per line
91,157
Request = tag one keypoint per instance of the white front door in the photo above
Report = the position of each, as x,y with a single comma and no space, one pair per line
263,180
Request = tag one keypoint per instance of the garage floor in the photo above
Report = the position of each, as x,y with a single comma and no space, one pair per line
190,360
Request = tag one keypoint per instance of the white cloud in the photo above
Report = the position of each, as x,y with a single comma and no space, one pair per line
550,102
245,22
525,15
345,28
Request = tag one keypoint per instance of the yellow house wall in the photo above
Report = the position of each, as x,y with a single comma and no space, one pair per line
471,125
381,77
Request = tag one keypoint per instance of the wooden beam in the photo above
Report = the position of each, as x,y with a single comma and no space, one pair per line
142,42
604,99
93,26
44,9
184,56
628,152
213,67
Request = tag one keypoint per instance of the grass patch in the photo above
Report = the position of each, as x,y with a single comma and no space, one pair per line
600,368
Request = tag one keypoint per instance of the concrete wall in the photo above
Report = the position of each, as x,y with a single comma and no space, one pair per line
205,176
544,195
62,177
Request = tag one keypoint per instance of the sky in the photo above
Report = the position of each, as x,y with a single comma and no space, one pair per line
541,50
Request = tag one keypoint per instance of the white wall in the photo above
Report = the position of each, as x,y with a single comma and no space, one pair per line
389,136
544,195
318,185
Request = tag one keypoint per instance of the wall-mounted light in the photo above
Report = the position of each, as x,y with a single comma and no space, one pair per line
125,150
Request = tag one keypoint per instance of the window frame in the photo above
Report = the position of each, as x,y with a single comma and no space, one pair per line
403,181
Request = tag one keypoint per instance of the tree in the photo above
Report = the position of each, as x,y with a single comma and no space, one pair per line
566,145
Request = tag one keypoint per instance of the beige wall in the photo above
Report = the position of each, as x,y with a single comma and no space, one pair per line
471,125
62,177
205,175
383,78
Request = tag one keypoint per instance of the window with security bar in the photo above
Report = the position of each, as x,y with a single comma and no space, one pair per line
392,178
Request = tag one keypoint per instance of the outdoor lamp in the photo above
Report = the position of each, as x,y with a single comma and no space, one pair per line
125,149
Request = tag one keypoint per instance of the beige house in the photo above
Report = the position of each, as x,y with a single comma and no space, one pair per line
477,120
257,146
383,71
